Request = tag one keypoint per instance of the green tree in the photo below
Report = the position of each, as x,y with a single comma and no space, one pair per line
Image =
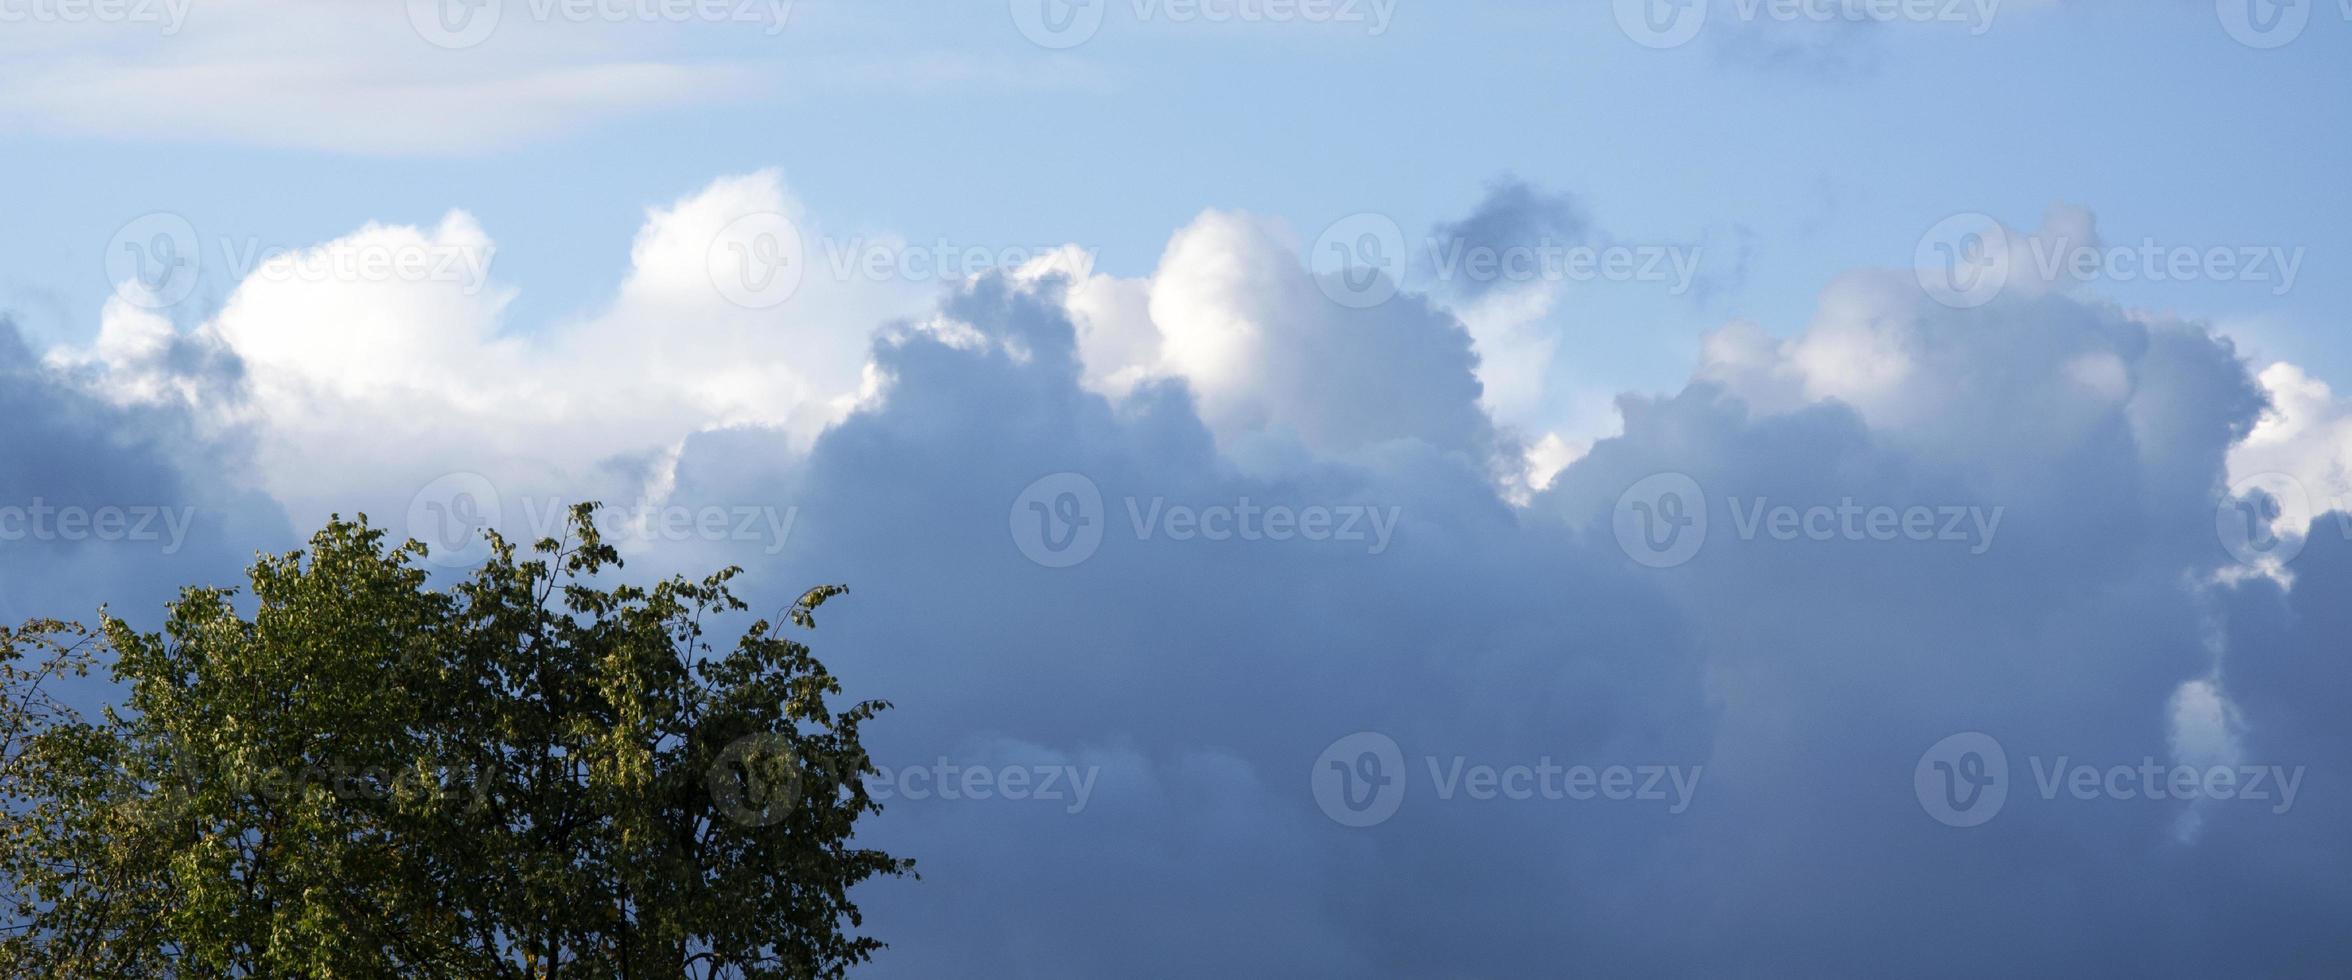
525,775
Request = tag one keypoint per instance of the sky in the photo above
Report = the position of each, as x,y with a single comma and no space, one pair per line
1634,488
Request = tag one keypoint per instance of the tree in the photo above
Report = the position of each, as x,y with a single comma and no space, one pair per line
526,775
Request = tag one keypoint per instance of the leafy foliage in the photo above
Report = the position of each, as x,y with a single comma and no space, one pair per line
526,775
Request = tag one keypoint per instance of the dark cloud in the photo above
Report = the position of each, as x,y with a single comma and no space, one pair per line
1513,214
1187,688
117,503
1807,678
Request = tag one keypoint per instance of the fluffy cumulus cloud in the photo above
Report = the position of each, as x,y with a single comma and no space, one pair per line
2300,453
399,332
1054,494
1267,353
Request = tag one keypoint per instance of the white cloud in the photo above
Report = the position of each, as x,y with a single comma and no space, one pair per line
425,365
2306,433
331,104
345,77
1233,312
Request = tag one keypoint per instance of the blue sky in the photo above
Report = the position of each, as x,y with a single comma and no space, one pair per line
949,122
1798,528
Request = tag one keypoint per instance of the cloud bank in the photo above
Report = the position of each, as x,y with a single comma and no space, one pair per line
1708,716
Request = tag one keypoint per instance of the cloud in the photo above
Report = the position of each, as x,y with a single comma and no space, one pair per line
1513,214
120,501
1119,655
1508,320
1806,677
341,78
1276,366
352,108
400,332
1519,271
453,77
2305,435
1257,344
2065,597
